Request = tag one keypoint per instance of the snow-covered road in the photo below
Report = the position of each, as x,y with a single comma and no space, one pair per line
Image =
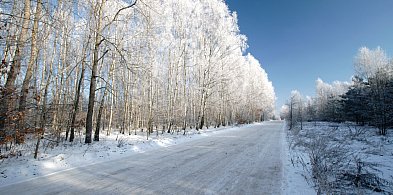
244,160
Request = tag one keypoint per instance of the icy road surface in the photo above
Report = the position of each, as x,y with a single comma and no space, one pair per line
244,160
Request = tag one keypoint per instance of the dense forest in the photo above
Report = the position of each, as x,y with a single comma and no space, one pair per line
367,99
98,66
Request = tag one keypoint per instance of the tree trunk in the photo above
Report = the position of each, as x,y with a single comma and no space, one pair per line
8,104
43,118
33,57
77,95
111,99
98,125
90,107
184,92
43,112
202,111
169,94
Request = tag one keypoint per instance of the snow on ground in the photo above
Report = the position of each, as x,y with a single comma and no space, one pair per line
294,181
244,160
357,144
71,155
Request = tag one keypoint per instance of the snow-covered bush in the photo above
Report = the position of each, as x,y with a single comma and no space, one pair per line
337,160
120,142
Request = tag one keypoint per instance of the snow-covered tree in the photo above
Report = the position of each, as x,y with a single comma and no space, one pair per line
135,66
368,62
367,99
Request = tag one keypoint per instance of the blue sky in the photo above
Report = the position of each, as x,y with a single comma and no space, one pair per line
298,41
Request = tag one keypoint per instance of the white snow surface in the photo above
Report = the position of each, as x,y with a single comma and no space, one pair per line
361,141
238,160
67,158
72,155
294,181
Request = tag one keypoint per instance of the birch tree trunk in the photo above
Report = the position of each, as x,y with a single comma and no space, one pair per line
44,95
93,79
33,57
111,97
78,93
8,104
184,92
44,113
98,125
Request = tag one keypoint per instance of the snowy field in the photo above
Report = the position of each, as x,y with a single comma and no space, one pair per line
342,158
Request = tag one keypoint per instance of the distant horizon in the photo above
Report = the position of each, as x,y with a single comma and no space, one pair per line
298,42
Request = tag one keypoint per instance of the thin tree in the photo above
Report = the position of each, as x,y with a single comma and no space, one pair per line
8,104
93,79
33,57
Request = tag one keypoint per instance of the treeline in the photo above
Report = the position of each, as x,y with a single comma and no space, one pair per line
368,99
104,65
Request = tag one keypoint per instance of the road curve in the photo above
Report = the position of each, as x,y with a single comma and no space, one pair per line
245,160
